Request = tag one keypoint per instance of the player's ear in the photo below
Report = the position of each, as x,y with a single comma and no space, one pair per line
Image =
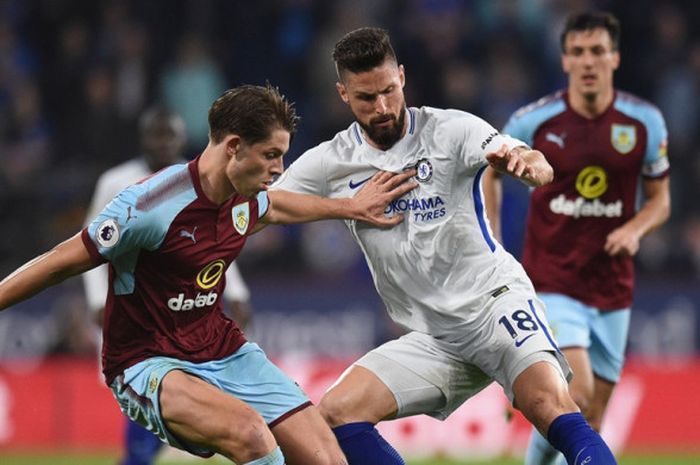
616,59
233,145
342,91
565,63
402,76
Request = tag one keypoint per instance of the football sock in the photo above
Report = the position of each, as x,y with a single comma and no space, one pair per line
273,458
540,451
571,434
141,445
363,445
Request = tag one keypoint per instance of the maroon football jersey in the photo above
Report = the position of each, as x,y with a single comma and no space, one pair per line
597,167
168,247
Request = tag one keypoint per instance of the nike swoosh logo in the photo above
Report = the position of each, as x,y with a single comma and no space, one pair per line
522,341
355,185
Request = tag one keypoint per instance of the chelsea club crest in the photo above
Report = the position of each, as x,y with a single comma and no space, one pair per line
424,170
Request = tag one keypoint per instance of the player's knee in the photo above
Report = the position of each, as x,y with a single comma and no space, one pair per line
335,409
583,400
542,406
247,439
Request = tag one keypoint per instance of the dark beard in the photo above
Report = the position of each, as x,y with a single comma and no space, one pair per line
385,138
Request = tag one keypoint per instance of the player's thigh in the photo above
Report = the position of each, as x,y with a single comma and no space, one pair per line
424,375
305,438
197,412
358,396
246,376
251,377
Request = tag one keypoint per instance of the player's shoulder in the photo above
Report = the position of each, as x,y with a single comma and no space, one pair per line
431,117
637,107
427,113
162,186
544,107
341,147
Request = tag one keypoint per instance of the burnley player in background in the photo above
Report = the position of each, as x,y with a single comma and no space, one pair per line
470,310
175,363
583,229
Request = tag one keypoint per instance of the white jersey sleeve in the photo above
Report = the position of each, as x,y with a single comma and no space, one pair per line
308,174
236,289
479,138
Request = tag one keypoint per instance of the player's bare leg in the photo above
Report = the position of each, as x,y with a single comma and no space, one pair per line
357,402
542,395
198,413
602,391
305,439
357,396
581,387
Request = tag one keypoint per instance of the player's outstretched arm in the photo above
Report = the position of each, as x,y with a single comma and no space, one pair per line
367,205
522,163
67,259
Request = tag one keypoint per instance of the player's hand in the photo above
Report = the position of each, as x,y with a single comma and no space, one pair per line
382,188
622,242
528,165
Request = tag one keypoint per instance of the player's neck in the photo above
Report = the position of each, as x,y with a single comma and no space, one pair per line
212,177
591,106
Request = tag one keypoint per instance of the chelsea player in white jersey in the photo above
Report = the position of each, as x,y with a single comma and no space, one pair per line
470,309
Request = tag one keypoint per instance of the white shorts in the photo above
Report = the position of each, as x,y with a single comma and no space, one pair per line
435,376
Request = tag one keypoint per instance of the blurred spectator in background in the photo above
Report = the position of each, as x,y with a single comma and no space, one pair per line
190,84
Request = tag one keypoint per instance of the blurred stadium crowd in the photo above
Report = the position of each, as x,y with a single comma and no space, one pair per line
75,74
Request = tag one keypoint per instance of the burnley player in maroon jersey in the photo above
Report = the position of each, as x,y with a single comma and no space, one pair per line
175,363
583,229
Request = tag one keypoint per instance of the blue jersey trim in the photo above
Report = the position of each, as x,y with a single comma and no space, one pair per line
650,117
524,123
357,134
543,326
143,229
479,209
412,121
263,203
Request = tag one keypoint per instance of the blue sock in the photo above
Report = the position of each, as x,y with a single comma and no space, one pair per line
571,434
540,451
363,445
141,445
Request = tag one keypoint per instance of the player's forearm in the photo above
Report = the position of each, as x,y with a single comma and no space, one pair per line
63,261
290,208
654,212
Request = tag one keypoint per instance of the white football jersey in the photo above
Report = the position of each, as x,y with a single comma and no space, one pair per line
110,183
437,269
